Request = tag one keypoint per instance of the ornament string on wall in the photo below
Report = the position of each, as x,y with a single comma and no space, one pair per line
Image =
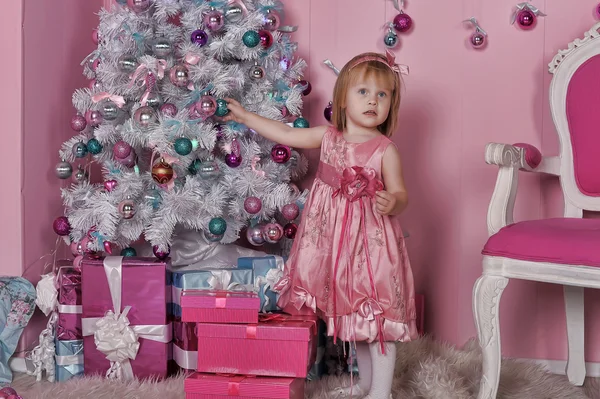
401,23
328,111
525,15
478,38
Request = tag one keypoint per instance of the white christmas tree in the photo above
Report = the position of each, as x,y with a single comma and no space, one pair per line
151,118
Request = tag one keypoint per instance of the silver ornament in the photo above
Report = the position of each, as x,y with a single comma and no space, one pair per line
63,170
391,39
127,209
271,21
127,63
234,13
209,170
257,72
162,48
144,116
154,100
110,111
80,175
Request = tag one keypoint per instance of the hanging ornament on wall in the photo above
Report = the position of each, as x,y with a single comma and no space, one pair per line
402,22
478,38
390,40
597,11
525,15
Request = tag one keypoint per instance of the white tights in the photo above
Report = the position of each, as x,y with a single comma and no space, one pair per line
376,371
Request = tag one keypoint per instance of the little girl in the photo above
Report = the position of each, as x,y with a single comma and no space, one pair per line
348,262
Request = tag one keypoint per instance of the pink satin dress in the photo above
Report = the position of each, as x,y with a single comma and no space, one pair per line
348,263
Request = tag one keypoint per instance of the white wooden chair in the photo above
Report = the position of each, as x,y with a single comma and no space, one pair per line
564,250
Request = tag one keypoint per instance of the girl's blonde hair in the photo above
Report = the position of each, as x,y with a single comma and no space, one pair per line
356,70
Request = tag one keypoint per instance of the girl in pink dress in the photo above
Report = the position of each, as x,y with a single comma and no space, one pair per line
348,262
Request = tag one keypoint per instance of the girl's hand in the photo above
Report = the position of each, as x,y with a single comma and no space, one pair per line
385,202
237,113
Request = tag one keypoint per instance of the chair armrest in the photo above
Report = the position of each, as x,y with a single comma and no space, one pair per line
510,159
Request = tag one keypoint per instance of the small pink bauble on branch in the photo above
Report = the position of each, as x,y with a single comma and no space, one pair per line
93,118
254,235
525,15
214,20
281,153
272,233
61,226
139,6
162,255
207,106
121,149
252,205
78,123
290,211
168,109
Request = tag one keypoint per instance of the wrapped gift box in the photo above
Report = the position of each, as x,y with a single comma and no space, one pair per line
205,306
138,292
280,347
69,359
185,344
68,325
213,279
212,386
268,270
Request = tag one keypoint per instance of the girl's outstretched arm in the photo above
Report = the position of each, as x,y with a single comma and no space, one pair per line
274,130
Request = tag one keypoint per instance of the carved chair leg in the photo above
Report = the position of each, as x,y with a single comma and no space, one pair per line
486,303
575,333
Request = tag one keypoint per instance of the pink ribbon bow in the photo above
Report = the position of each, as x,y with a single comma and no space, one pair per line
369,309
118,100
357,182
303,298
391,60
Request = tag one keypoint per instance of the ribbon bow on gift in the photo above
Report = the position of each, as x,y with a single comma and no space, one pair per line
221,281
267,283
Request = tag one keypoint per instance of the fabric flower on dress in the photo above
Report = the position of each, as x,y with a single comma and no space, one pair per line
358,182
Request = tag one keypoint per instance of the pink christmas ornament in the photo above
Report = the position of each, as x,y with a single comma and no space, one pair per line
290,211
272,232
252,205
78,123
121,149
110,185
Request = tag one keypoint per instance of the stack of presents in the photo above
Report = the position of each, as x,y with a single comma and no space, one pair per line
127,317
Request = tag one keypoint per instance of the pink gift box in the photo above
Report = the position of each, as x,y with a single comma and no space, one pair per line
68,325
184,334
211,386
144,289
277,348
205,306
69,286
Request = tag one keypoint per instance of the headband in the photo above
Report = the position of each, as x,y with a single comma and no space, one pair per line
390,61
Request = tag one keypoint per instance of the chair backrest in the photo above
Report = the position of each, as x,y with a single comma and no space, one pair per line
575,107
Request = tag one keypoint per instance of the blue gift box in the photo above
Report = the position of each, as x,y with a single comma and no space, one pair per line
69,359
267,272
214,279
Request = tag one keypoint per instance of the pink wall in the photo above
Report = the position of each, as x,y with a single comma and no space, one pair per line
456,101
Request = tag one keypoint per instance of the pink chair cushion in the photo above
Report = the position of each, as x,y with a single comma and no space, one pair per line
570,241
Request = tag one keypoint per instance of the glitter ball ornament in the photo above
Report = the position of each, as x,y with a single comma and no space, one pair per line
93,118
280,153
127,209
63,170
222,109
271,21
139,6
272,233
328,111
127,63
233,161
307,87
162,172
179,75
162,47
251,39
257,72
161,255
214,20
254,235
526,19
402,22
61,226
390,40
144,116
301,123
290,211
252,205
289,230
168,109
234,13
128,252
266,38
217,226
94,146
78,123
80,175
110,111
79,150
199,38
121,149
478,40
207,106
183,146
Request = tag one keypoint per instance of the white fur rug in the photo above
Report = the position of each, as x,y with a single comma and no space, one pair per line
425,369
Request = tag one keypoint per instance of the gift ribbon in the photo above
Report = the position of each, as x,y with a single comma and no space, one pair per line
42,356
70,309
221,281
264,283
113,335
69,360
185,359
